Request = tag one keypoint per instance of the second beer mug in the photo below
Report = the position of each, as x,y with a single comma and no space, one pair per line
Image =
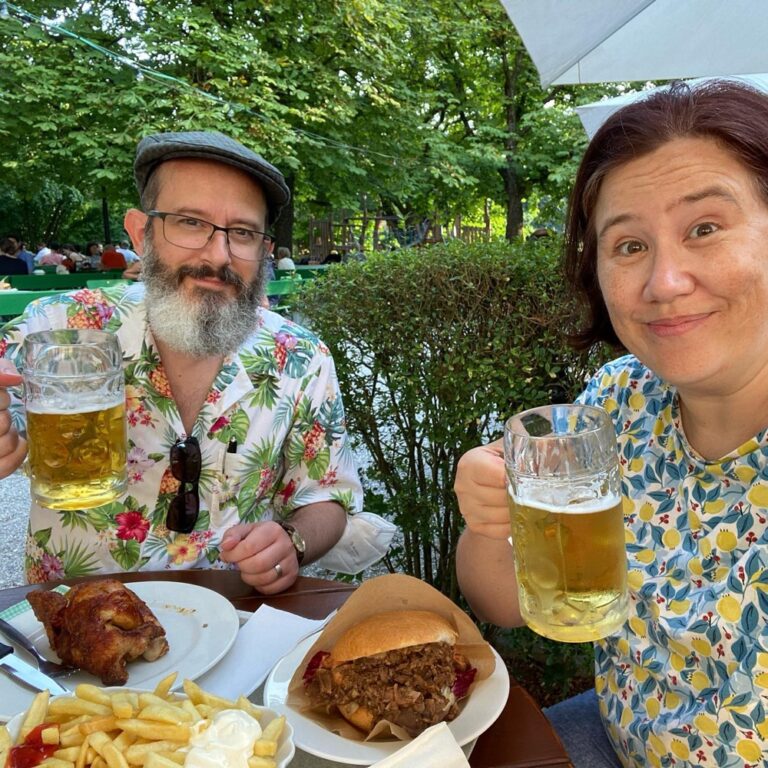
567,521
74,393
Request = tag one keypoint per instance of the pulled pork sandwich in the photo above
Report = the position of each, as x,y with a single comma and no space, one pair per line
399,666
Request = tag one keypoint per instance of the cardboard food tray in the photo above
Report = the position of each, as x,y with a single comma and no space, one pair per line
393,592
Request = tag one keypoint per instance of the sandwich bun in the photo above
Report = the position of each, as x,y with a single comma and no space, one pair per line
360,717
391,631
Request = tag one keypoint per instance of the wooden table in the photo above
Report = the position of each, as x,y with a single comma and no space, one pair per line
521,738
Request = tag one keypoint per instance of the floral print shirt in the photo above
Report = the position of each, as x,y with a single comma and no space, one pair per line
685,682
277,396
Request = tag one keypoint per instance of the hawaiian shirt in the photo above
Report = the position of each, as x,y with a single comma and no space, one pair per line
277,397
685,682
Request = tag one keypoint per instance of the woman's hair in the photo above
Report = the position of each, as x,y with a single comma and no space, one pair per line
732,113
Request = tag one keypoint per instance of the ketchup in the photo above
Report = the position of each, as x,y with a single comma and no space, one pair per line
32,751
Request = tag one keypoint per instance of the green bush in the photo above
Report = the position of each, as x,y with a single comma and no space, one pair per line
435,347
549,671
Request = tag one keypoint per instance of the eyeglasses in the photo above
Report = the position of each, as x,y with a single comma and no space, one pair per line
192,233
184,508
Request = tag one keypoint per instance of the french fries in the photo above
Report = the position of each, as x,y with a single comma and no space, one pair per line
95,728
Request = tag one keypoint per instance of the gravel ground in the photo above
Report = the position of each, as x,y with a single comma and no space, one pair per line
14,511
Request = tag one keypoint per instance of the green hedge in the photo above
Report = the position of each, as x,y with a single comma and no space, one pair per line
435,347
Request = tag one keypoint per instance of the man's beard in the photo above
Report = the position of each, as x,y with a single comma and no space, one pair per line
209,324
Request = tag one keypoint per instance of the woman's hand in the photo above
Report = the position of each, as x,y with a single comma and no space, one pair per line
481,487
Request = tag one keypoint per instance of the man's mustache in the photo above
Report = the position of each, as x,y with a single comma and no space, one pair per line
224,273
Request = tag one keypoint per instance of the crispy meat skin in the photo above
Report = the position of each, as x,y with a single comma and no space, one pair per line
100,626
410,686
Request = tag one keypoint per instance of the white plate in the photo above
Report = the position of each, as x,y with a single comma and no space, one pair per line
479,712
285,744
200,626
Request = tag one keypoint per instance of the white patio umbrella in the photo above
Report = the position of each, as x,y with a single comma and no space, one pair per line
598,41
593,115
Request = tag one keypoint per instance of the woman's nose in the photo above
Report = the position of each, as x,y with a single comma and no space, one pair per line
670,275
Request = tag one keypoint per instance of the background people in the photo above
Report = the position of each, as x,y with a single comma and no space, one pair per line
284,260
111,258
93,255
13,246
667,244
52,258
129,255
10,264
202,360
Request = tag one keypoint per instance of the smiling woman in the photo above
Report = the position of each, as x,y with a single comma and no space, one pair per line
667,245
681,264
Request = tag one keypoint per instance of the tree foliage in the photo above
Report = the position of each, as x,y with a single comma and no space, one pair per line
434,350
424,108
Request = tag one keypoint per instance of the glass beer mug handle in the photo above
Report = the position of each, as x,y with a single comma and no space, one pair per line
567,521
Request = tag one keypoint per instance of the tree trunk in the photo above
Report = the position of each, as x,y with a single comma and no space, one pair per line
105,216
508,172
514,203
283,227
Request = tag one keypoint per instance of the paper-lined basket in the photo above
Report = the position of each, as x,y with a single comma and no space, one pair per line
393,592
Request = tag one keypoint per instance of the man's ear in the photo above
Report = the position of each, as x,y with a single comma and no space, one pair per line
135,222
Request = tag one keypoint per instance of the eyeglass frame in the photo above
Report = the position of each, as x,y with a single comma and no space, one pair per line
185,478
266,236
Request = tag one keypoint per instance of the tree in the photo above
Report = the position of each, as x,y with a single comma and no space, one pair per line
425,107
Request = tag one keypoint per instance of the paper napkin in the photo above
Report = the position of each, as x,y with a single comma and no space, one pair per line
264,639
434,748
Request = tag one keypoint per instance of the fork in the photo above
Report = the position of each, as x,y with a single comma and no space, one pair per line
46,666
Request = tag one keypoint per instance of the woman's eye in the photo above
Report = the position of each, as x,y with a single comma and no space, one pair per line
704,229
630,247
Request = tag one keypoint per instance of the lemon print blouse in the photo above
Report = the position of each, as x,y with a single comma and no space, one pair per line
685,682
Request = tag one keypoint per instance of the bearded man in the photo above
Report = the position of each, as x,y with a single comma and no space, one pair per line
248,399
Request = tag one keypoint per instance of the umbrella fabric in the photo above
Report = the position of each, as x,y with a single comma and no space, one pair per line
593,115
598,41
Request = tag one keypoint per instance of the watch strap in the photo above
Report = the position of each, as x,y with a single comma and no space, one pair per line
296,539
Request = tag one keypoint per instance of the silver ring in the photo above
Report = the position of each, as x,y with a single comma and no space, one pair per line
278,570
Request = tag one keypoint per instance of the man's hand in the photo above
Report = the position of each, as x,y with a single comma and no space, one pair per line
13,448
256,548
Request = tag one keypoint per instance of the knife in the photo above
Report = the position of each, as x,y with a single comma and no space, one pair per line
25,674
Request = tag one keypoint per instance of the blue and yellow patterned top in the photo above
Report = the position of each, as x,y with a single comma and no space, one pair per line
685,682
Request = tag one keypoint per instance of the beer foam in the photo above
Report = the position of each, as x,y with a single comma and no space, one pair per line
585,507
64,407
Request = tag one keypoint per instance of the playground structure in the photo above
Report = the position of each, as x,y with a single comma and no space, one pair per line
346,234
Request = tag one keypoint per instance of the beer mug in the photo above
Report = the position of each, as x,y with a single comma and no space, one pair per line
74,393
567,523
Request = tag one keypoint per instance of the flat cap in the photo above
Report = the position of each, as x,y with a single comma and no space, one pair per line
210,145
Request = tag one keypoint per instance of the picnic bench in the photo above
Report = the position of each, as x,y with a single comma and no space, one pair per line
52,281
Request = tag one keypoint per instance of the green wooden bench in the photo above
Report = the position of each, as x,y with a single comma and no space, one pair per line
13,303
283,288
107,283
60,282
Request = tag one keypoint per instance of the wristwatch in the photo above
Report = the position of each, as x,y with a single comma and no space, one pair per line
296,539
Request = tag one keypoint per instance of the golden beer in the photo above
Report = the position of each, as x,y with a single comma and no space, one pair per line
571,568
77,459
